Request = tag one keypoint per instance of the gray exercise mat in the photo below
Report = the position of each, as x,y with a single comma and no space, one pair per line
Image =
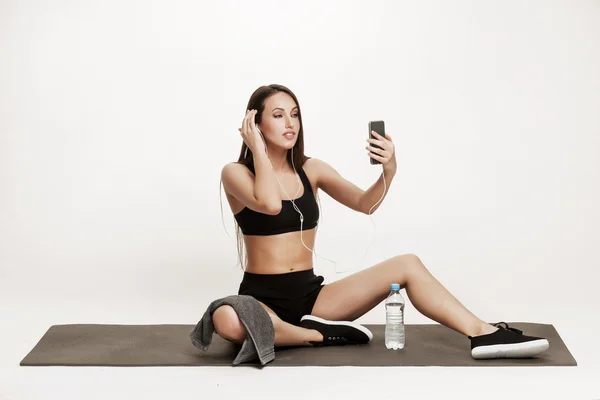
169,345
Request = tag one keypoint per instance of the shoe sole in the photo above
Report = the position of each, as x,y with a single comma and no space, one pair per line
343,323
513,350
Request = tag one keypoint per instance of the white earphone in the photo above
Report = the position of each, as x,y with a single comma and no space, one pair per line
302,216
300,212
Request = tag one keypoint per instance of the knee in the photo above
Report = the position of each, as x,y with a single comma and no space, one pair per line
409,261
228,324
274,318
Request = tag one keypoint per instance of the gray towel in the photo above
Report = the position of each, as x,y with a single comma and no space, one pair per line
260,340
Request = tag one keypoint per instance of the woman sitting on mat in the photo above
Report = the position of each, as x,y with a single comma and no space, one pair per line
279,233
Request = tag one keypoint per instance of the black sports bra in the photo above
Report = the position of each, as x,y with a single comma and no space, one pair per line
288,220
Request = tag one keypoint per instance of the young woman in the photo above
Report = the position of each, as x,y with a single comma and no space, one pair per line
272,170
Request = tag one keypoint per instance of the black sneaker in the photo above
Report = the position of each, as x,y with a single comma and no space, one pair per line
506,342
337,333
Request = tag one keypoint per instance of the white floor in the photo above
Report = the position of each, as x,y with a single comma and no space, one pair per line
25,320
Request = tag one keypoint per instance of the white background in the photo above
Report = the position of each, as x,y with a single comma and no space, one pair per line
116,118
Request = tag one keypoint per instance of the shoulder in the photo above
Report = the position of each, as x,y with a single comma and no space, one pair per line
316,164
233,171
316,168
234,168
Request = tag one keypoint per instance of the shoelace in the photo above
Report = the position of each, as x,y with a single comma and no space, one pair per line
336,339
504,325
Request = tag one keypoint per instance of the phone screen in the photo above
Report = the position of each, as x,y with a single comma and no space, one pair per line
379,127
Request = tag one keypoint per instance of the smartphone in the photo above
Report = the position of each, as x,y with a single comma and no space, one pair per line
379,127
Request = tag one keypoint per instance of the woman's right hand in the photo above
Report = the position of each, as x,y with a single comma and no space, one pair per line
251,134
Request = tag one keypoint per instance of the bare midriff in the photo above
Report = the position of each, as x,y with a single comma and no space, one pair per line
280,254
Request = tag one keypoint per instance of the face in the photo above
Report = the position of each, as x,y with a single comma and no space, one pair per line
280,116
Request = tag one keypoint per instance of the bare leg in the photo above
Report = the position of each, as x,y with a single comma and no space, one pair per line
353,296
228,326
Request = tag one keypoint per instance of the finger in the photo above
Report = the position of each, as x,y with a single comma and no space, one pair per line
377,135
253,121
376,150
377,142
244,122
383,138
376,157
249,114
247,124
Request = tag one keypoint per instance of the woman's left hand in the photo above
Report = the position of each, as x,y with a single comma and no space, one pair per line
387,155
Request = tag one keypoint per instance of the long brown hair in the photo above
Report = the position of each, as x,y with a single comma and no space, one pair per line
257,102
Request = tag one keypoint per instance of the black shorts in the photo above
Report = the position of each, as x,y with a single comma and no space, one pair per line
290,295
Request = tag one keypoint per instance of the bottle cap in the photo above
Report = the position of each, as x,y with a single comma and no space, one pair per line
395,286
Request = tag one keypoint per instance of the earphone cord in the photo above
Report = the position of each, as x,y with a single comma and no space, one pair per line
302,216
371,218
288,196
300,212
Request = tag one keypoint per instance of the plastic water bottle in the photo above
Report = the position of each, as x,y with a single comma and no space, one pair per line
394,323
